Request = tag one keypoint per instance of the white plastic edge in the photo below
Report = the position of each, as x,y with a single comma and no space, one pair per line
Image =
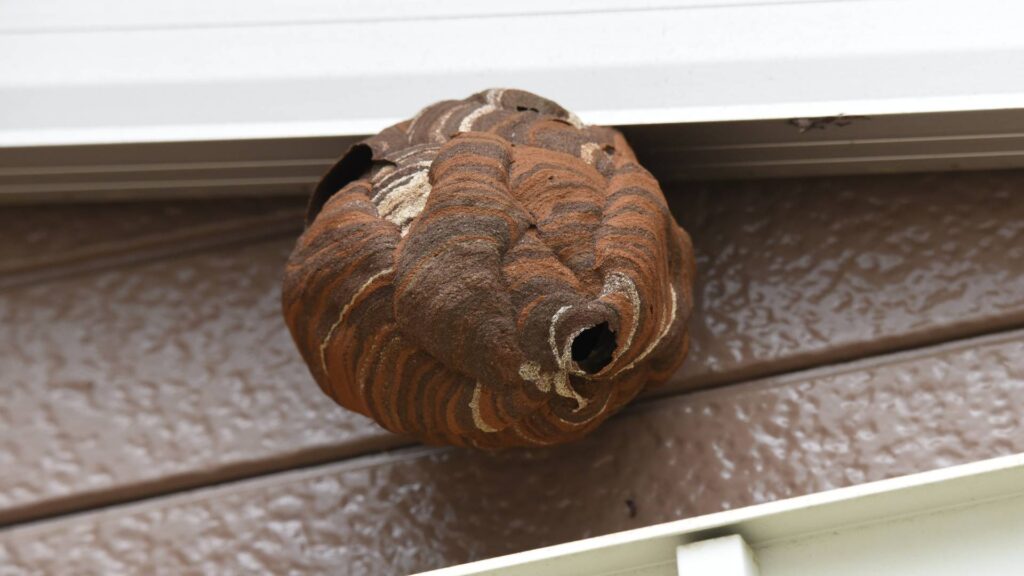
860,507
165,74
728,77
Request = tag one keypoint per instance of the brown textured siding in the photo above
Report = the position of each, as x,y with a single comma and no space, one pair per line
425,508
794,273
39,243
146,367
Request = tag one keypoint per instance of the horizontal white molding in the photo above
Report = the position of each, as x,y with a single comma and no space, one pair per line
73,15
965,519
226,111
989,139
161,170
670,64
782,34
77,80
722,556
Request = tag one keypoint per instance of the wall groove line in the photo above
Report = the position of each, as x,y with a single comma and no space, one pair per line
390,448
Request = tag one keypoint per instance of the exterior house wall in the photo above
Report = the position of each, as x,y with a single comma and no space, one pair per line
157,417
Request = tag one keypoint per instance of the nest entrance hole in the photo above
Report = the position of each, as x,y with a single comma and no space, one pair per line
592,349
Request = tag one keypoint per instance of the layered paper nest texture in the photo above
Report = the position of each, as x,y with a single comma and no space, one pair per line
490,273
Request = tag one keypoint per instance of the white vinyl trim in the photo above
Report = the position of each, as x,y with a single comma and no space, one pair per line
965,519
212,70
722,556
732,79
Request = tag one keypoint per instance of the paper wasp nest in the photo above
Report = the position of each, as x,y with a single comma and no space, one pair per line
490,273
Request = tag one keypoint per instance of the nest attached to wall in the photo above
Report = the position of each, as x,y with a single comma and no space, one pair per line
490,273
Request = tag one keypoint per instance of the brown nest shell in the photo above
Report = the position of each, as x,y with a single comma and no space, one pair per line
490,273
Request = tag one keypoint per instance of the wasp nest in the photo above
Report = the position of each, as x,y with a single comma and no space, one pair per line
490,273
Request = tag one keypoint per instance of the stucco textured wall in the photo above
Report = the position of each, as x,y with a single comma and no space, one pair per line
837,326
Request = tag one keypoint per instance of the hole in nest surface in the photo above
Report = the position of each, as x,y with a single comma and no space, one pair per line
592,349
352,166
